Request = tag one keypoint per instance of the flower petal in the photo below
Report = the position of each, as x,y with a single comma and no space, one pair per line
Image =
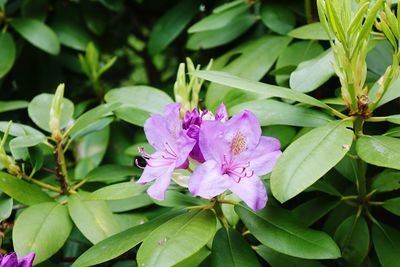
158,188
184,145
211,141
264,157
156,167
252,191
9,260
27,260
246,125
222,113
207,180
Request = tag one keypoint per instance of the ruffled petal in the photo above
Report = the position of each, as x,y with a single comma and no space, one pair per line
243,132
252,191
9,260
184,145
26,261
207,180
159,187
156,167
211,141
264,157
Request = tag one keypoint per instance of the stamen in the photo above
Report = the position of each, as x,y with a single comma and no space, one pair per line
239,143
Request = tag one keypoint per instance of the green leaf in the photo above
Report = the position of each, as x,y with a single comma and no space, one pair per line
17,129
178,199
36,9
278,18
27,141
11,105
382,151
111,173
277,259
131,203
387,244
6,205
272,112
93,14
93,218
311,211
230,249
90,117
22,191
313,31
196,259
392,205
71,34
138,102
43,229
352,236
120,243
311,74
391,93
257,55
39,111
90,151
262,89
118,191
177,239
278,230
386,181
7,53
285,134
218,20
292,56
171,24
37,33
308,158
214,38
129,220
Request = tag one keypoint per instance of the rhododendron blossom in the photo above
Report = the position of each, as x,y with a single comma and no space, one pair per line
11,260
236,156
172,144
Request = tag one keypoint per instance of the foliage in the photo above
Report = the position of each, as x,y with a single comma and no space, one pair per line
321,76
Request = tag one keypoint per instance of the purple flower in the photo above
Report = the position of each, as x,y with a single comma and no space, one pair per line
236,155
11,260
192,123
172,145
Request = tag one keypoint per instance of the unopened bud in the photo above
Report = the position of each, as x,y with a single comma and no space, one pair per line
56,112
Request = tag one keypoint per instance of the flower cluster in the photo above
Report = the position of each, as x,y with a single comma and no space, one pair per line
11,260
231,153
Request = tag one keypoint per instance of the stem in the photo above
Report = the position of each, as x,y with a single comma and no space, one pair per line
61,167
308,10
362,166
41,184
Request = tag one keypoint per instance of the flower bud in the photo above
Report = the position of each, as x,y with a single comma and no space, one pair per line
56,112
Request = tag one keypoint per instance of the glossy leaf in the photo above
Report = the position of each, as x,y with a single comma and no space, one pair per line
392,205
312,73
386,181
311,211
277,259
131,203
280,231
39,111
196,259
272,112
391,93
27,141
71,34
258,56
387,244
37,33
352,236
17,129
178,199
177,239
93,218
6,205
382,151
308,158
7,53
111,173
120,243
171,24
43,229
278,18
313,31
118,191
230,249
262,89
138,102
129,220
22,191
11,105
214,38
